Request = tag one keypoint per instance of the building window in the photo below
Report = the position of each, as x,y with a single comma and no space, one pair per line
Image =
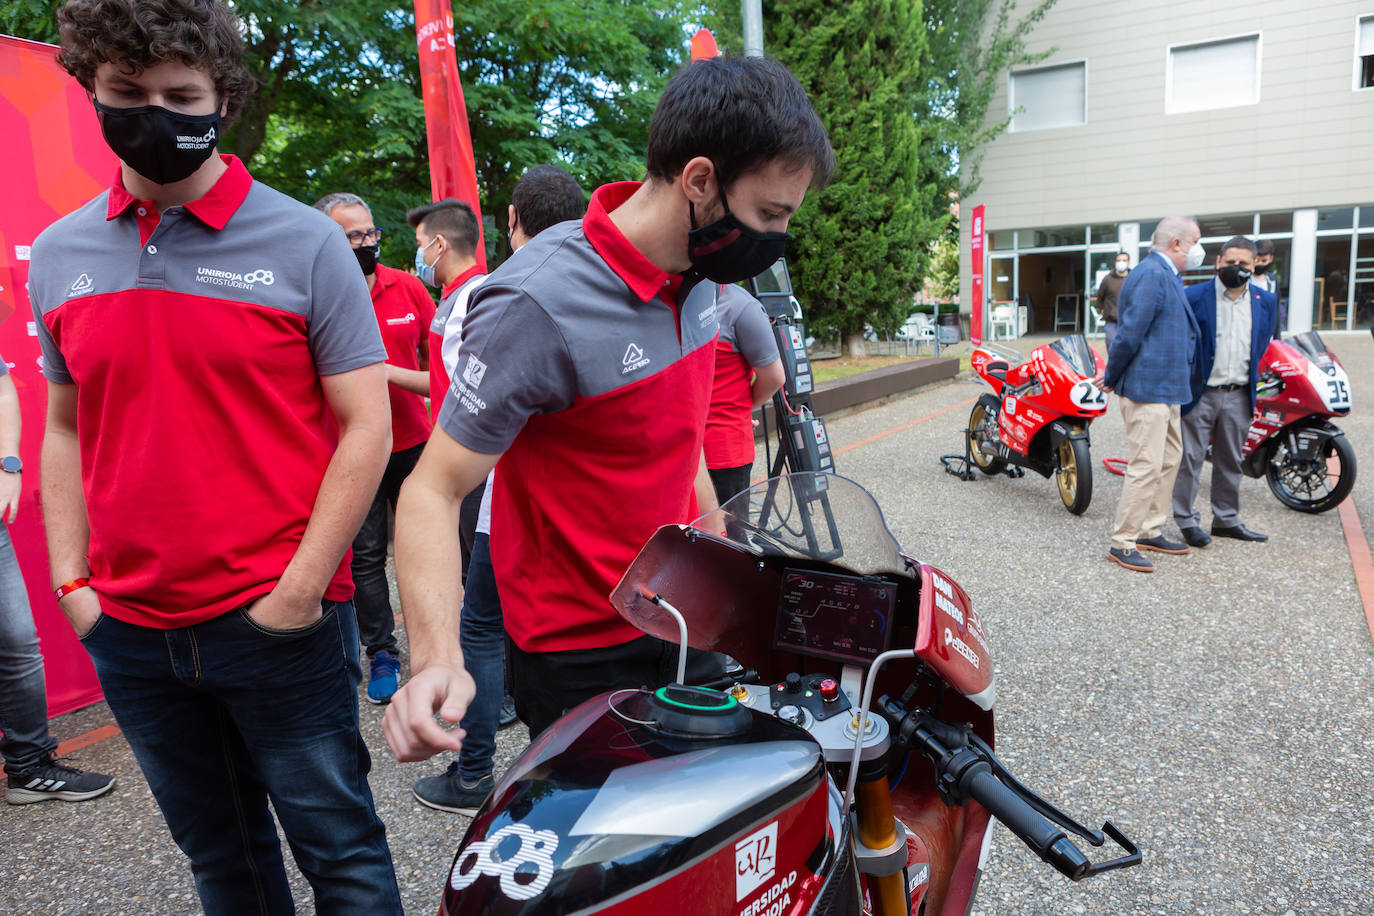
1044,98
1364,54
1213,74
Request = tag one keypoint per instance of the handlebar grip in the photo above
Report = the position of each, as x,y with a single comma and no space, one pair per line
1047,841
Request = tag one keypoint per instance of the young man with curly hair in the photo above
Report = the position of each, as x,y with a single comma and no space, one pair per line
217,425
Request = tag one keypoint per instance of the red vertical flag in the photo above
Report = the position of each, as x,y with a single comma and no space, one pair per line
452,166
52,161
976,247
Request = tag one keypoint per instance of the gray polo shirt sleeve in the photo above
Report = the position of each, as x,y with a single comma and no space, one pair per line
4,369
54,365
343,330
754,337
514,363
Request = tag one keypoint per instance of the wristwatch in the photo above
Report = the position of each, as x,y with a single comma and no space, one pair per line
11,465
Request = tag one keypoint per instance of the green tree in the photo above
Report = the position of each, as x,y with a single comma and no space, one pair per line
862,245
338,105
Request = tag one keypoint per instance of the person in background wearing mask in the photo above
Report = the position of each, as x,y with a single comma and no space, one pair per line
217,426
446,238
544,196
404,310
1148,366
1266,279
1108,291
585,370
1235,321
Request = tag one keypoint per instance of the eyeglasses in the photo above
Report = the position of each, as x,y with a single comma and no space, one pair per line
357,237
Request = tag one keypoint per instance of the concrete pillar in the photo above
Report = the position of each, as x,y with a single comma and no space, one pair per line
1302,270
1129,236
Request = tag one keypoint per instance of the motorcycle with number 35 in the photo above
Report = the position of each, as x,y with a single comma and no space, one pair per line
1307,460
1038,414
846,768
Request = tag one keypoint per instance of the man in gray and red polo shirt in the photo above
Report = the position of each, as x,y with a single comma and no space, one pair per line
586,369
748,372
217,426
404,310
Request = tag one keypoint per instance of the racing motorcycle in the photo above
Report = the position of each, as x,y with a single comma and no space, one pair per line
848,769
1291,442
1038,414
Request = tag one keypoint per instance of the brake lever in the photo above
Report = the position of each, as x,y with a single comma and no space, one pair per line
1132,857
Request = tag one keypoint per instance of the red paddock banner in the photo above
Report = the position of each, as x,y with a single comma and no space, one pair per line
53,159
977,305
452,166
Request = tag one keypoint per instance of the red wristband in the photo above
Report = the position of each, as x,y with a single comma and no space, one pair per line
68,587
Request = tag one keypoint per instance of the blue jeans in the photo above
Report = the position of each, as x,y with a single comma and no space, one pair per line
482,633
226,714
23,698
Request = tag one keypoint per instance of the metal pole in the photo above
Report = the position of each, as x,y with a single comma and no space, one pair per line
752,13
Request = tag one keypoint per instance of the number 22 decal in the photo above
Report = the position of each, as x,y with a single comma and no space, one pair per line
1086,394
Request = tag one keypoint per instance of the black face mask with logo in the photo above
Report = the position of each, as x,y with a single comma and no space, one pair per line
1233,276
727,251
162,146
367,258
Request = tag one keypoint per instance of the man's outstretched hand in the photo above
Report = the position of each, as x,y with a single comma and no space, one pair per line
409,726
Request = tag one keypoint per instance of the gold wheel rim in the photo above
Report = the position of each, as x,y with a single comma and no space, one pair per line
977,422
1068,472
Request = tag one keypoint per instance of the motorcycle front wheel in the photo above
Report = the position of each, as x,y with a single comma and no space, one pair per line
980,421
1075,475
1311,486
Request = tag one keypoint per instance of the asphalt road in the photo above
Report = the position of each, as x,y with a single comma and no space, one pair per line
1219,711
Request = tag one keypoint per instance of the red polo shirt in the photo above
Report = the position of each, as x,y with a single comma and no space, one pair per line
590,369
196,339
404,310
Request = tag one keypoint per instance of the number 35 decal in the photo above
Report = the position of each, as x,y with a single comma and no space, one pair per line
524,870
1339,394
1086,394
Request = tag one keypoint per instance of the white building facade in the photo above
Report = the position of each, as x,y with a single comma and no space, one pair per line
1257,119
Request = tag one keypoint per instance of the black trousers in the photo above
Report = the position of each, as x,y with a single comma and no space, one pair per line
730,481
547,684
372,595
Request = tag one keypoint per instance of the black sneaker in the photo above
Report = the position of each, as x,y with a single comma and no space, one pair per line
49,779
449,793
508,716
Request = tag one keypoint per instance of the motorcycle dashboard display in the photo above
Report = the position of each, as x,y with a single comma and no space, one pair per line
835,617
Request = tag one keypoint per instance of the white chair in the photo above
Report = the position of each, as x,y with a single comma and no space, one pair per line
919,328
1002,323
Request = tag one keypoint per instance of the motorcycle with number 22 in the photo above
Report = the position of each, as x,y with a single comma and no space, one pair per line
845,768
1038,414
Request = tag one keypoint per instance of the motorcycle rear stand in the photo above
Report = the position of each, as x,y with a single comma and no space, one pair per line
961,466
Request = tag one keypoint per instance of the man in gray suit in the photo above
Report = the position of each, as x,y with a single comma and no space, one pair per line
1148,366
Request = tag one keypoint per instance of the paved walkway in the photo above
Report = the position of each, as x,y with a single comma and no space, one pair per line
1220,711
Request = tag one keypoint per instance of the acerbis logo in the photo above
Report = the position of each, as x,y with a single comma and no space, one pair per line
81,285
408,319
197,143
634,359
215,277
474,371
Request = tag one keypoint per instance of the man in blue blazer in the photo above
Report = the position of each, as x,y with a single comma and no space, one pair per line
1235,323
1148,366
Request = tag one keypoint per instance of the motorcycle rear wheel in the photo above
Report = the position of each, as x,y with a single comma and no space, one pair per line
1075,475
979,422
1311,486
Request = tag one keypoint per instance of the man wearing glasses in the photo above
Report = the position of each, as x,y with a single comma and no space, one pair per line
404,311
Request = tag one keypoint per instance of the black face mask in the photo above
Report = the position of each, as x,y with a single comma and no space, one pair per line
1261,269
1233,276
727,251
367,258
161,145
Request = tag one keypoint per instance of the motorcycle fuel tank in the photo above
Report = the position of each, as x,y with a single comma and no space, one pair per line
950,638
609,813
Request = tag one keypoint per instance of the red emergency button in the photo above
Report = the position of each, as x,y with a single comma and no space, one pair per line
830,690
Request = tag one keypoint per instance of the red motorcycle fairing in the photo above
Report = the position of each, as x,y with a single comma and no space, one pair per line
605,815
950,638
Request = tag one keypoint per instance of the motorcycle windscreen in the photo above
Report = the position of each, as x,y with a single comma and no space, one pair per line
1076,352
1311,345
950,638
